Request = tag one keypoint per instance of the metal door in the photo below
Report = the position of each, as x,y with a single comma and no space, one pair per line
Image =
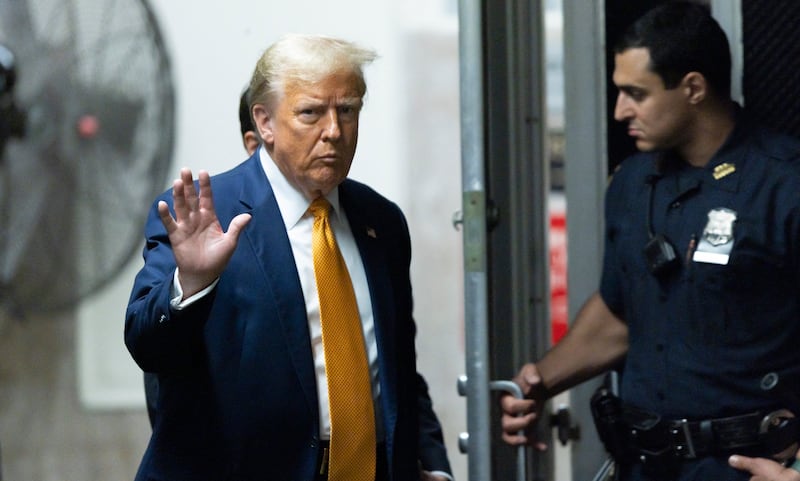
506,184
504,217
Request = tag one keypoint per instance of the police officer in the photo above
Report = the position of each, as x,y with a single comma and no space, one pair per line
698,304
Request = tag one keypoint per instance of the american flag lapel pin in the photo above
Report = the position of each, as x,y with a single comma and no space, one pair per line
371,233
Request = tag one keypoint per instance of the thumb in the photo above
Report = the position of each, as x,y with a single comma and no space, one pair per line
532,378
237,224
529,374
742,463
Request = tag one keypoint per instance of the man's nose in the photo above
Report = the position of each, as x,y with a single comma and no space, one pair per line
331,129
622,109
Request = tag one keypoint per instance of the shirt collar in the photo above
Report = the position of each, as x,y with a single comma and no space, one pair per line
291,202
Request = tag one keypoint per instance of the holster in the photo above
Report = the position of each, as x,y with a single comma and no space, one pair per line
631,435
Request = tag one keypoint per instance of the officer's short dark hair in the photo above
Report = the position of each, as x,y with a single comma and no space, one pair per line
245,122
682,37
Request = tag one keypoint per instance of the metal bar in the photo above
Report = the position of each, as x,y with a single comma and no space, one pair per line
474,239
512,388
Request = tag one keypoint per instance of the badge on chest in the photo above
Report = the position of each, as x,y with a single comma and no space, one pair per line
716,242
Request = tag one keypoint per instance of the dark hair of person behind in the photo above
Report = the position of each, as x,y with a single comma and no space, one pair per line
682,37
245,122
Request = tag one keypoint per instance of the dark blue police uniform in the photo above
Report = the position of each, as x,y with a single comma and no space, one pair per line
705,331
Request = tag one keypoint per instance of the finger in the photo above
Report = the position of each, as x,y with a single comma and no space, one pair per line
514,406
520,439
205,197
516,439
188,188
237,224
513,424
179,200
760,468
740,462
166,217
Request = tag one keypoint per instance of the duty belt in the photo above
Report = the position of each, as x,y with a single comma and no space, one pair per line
692,439
637,435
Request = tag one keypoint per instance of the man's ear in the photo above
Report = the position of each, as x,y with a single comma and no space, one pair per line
263,123
250,142
695,86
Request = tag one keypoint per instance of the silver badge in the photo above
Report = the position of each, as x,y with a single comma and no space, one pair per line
717,241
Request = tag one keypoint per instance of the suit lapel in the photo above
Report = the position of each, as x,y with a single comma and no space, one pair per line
271,250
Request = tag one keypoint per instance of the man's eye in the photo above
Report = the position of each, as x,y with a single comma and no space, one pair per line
308,115
347,112
637,95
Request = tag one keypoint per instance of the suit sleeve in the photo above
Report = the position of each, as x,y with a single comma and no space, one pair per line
432,451
159,338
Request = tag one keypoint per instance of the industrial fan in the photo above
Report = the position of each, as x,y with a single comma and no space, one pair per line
86,138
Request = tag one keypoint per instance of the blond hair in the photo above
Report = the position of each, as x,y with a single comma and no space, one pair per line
306,59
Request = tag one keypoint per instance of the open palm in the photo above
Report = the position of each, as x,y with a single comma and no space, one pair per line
200,246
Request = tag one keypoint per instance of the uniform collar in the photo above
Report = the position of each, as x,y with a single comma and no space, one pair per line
724,169
291,202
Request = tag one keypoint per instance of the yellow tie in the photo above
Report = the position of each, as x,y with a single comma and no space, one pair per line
352,445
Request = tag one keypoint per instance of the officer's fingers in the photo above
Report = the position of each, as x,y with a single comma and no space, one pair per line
514,406
742,463
514,424
520,439
763,469
516,439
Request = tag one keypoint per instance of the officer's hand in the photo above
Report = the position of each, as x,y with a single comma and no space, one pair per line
763,469
520,415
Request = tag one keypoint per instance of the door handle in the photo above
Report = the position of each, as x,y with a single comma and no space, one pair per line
509,387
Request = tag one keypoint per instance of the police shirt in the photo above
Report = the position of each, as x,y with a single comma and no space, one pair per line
704,332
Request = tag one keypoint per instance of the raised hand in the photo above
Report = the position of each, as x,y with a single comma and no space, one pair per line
201,248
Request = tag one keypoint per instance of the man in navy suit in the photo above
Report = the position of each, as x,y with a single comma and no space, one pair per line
229,320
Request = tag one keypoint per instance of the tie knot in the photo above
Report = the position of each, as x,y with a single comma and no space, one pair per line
320,207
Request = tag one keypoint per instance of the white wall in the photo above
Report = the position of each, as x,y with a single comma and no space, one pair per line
213,47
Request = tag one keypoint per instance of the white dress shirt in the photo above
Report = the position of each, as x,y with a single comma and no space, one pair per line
299,223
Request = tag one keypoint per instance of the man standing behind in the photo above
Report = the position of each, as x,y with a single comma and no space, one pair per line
699,291
249,136
242,326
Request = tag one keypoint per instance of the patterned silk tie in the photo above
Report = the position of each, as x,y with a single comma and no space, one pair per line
352,445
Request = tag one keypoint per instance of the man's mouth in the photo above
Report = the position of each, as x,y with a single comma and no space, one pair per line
329,157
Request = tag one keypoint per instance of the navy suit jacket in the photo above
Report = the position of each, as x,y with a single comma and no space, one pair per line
237,387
